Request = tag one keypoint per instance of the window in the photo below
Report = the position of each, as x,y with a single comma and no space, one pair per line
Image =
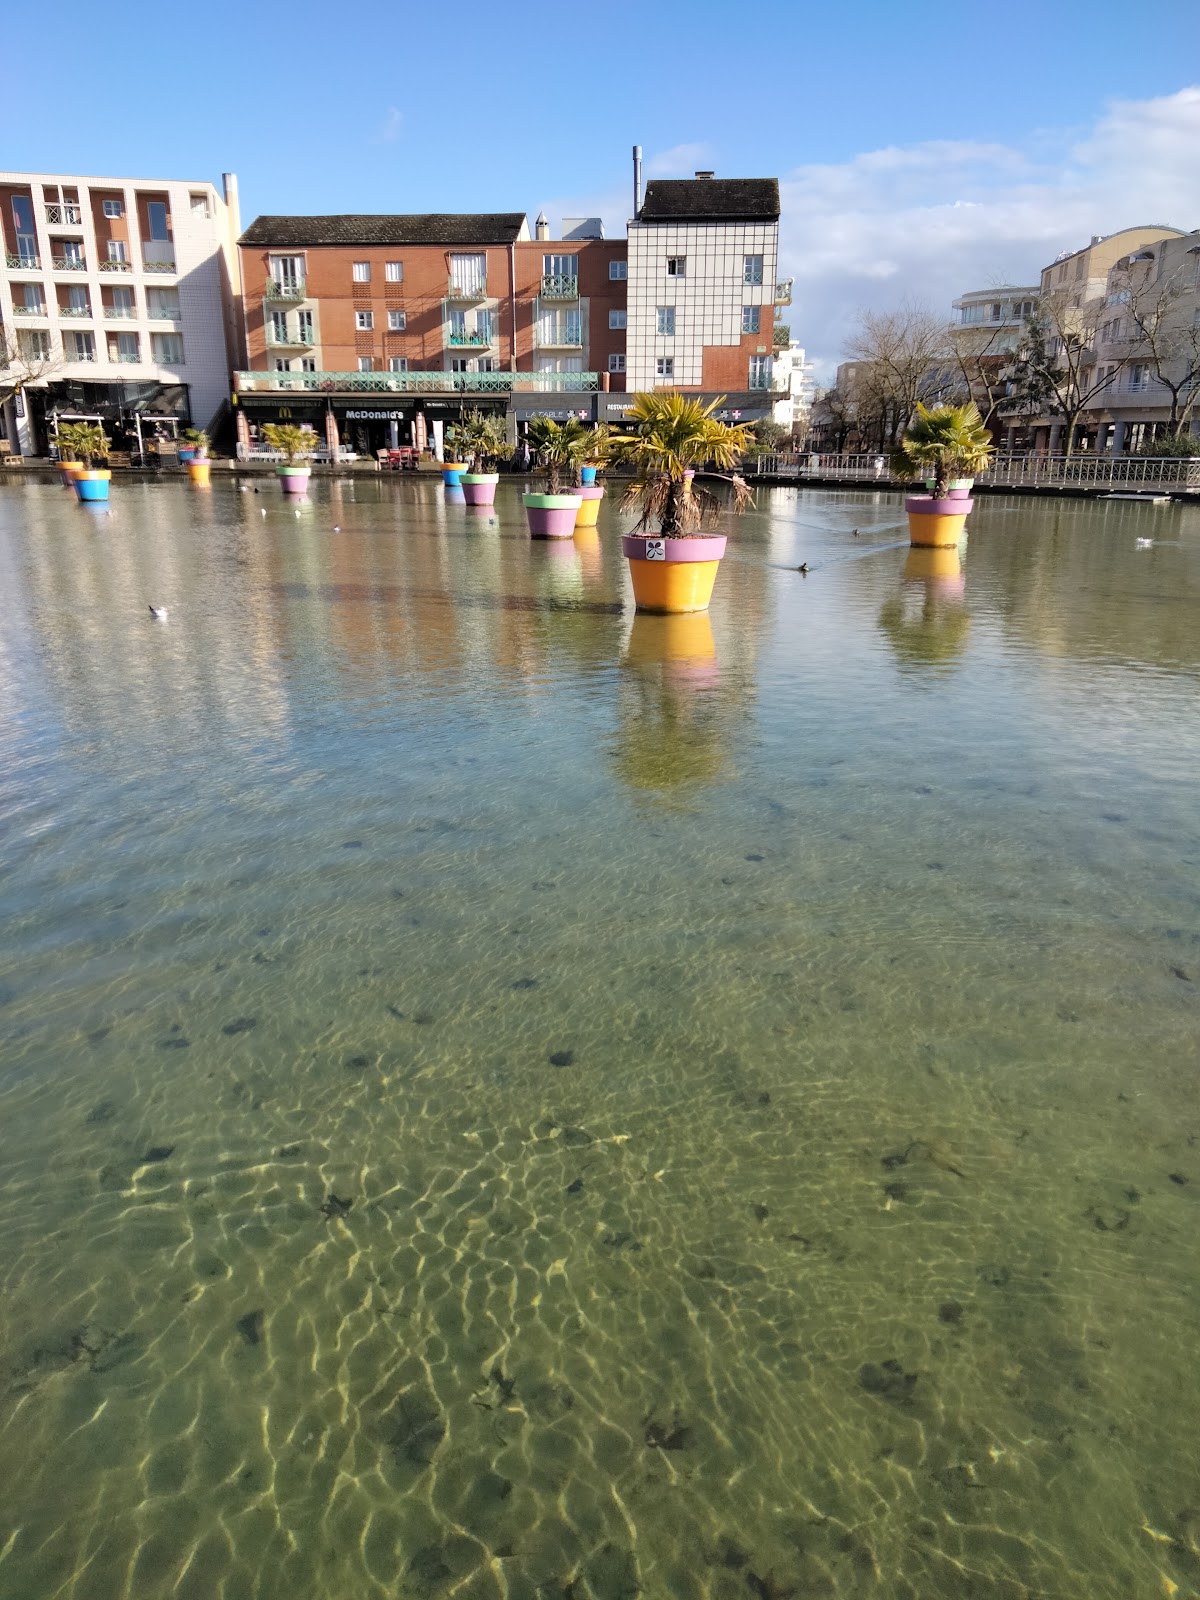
167,349
77,299
163,304
760,372
459,364
33,343
34,303
752,269
82,347
666,319
397,363
199,205
618,271
304,327
281,365
116,250
676,266
287,271
483,327
156,216
560,266
114,208
361,272
750,319
397,321
364,321
68,251
458,327
366,364
308,364
487,364
468,275
616,363
997,311
277,330
393,271
128,347
122,303
664,367
1139,377
559,328
618,319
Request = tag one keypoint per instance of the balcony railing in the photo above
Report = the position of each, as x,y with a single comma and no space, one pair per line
120,313
1004,471
558,338
79,355
159,315
126,359
290,341
158,266
418,382
783,293
29,311
285,289
31,263
68,264
472,291
477,341
74,311
559,286
116,266
66,215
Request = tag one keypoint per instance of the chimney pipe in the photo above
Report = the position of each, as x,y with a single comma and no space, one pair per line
637,180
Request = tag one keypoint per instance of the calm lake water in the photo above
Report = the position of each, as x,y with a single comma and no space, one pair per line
504,1098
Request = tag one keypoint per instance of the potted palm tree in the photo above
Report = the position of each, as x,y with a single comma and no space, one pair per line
478,441
294,441
89,443
589,493
946,445
559,448
673,439
194,455
70,446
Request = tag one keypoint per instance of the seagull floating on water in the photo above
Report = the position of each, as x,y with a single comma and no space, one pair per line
159,613
1143,544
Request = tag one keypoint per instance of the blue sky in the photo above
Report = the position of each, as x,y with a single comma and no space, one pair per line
404,108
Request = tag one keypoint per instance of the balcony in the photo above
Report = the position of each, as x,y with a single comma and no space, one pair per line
417,382
29,311
783,293
126,360
159,315
120,313
68,264
568,338
157,264
116,266
24,259
290,341
285,289
559,286
471,292
79,355
74,311
469,341
66,215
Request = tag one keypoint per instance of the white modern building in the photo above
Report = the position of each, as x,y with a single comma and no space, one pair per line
794,386
703,257
118,301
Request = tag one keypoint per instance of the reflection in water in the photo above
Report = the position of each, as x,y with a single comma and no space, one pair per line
926,621
501,1097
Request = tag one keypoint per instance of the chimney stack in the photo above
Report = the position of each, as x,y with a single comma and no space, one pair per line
637,180
541,226
706,174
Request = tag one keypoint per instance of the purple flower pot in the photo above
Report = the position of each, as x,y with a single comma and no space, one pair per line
293,479
480,487
551,516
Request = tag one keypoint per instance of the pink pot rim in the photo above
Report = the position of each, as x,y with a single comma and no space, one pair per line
924,505
633,545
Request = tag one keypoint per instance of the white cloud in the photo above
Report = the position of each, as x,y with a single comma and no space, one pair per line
932,220
391,127
680,161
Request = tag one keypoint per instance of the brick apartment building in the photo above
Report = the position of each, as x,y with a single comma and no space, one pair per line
379,330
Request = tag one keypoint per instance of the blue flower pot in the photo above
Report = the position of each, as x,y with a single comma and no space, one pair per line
187,453
452,476
587,474
92,485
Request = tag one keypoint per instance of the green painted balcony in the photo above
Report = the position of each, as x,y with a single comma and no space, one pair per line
285,289
416,382
559,286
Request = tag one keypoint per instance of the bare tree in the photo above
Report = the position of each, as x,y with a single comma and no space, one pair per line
1055,368
905,355
1164,327
983,356
22,365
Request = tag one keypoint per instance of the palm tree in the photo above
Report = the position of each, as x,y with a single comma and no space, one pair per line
559,447
478,439
669,439
291,439
945,442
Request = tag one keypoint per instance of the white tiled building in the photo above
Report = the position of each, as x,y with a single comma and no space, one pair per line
794,386
120,293
703,255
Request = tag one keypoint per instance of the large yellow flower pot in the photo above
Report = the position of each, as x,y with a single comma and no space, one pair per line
672,575
936,523
197,471
589,497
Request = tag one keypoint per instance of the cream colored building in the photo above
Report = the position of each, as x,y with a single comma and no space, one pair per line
120,295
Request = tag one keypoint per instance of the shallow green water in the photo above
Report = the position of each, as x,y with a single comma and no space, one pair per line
498,1098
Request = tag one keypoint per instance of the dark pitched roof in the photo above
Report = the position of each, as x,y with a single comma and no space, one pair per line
498,227
711,200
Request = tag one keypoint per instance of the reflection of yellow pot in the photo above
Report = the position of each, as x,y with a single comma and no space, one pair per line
940,568
587,542
686,638
198,472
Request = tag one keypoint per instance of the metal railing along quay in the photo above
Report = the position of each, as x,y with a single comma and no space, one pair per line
1111,473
